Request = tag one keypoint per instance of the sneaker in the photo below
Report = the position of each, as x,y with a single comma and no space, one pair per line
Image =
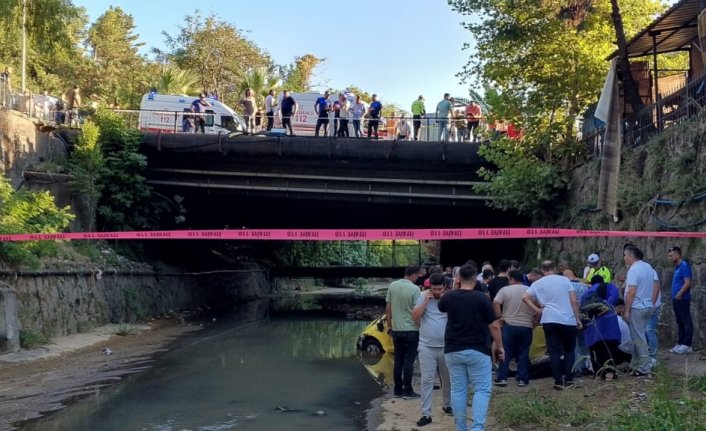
522,384
683,350
638,373
397,394
500,383
425,420
675,348
558,387
448,410
410,395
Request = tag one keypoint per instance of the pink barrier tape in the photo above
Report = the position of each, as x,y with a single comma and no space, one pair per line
349,234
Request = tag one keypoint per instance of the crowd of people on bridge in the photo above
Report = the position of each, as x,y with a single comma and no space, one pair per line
336,115
466,326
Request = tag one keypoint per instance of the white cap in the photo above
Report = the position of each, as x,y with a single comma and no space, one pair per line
593,258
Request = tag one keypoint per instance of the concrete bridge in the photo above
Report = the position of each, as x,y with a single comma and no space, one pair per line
328,183
321,169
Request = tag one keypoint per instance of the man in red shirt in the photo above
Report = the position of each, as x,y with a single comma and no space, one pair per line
473,117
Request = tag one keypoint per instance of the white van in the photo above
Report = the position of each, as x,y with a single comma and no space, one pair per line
304,121
165,113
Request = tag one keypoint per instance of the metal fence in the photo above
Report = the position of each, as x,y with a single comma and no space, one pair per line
668,111
675,108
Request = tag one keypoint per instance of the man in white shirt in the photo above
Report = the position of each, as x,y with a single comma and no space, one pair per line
640,297
432,325
270,104
559,311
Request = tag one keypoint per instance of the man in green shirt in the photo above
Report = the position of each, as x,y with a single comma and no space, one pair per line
401,298
418,113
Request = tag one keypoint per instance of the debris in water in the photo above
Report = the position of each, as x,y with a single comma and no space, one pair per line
319,413
107,351
284,409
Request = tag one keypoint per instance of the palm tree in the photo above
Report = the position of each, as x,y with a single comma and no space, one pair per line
261,81
173,80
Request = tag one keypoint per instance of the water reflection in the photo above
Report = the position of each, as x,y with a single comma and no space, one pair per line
302,372
380,368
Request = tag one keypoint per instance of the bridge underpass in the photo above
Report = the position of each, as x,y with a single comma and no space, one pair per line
327,183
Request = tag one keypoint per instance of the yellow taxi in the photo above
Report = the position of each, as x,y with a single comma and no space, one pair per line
375,339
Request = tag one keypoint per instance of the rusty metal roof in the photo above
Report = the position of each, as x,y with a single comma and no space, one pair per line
674,30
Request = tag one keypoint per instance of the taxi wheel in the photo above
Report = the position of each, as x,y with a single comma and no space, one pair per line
372,347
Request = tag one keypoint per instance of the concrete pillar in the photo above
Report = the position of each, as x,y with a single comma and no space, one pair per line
9,325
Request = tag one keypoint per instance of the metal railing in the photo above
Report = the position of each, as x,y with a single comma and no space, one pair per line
666,112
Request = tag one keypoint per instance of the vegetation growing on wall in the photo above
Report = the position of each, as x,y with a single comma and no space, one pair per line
664,177
34,212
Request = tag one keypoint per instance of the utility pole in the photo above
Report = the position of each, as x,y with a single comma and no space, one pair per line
24,44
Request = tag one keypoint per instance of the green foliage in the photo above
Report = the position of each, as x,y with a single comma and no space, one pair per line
542,65
535,409
372,253
261,81
126,202
218,50
668,408
297,76
86,166
30,339
116,63
29,212
173,80
522,181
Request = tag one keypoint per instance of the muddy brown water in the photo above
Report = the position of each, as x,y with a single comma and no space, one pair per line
296,371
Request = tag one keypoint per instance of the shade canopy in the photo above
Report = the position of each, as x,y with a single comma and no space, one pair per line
673,31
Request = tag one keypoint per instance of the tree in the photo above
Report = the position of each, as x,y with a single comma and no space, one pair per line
261,81
174,80
114,52
54,30
297,76
218,51
546,61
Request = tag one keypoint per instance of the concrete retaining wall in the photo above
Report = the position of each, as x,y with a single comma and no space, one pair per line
57,304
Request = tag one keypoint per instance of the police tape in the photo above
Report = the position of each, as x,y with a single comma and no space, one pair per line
348,234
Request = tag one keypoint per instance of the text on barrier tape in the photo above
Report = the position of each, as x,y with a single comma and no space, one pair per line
348,234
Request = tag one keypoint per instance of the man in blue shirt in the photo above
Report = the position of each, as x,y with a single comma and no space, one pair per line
322,107
681,301
374,110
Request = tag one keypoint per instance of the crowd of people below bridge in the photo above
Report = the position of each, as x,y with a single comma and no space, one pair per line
466,325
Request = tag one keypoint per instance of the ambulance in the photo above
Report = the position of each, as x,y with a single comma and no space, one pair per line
165,113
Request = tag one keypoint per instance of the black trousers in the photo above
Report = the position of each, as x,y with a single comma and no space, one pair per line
270,120
321,121
406,344
417,125
287,123
606,356
373,124
343,128
561,347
